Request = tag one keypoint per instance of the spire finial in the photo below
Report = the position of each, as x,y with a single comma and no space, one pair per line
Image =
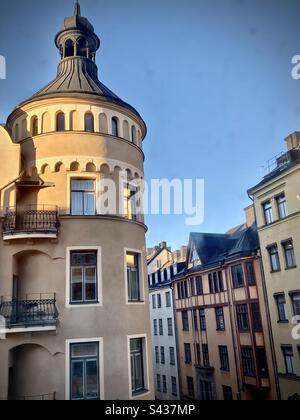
77,11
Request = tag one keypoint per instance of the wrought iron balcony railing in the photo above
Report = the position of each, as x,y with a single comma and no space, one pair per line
33,311
31,219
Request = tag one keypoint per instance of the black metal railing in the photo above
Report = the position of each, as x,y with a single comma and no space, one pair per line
31,219
33,311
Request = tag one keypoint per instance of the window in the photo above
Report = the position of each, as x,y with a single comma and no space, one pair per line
161,327
164,383
237,276
155,327
262,362
153,302
185,321
158,383
83,197
282,206
199,285
89,123
289,360
210,282
84,278
227,393
198,354
250,274
133,134
243,317
202,319
281,307
268,212
174,386
205,351
185,289
190,385
296,303
84,384
220,319
130,201
137,365
195,319
133,277
224,359
170,327
159,300
115,127
206,391
179,294
34,126
188,353
156,354
172,356
162,356
168,300
289,252
192,287
60,122
216,282
256,316
248,361
221,282
274,258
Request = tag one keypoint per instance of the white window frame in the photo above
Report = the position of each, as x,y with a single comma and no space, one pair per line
69,342
84,176
141,276
71,249
146,366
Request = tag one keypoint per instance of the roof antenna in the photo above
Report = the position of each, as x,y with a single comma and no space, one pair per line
77,11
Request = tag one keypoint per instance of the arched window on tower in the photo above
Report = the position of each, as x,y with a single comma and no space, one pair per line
133,134
60,122
34,126
115,127
89,125
69,48
82,48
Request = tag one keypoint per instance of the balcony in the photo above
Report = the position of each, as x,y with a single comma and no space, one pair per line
34,313
31,222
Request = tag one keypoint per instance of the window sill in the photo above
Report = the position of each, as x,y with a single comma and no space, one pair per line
220,330
275,271
286,321
290,268
140,394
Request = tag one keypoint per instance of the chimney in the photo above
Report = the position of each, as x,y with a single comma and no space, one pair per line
250,215
293,141
163,245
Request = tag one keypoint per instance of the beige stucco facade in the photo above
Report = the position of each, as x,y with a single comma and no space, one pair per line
38,164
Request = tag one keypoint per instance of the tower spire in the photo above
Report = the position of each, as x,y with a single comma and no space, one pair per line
77,10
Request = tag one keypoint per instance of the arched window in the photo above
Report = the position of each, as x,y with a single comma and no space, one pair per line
133,134
69,48
115,127
89,122
60,122
34,126
82,50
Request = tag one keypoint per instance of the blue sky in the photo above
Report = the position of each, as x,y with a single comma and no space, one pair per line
212,79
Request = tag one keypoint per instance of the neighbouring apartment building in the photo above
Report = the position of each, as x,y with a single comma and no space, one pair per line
73,279
163,265
225,349
277,208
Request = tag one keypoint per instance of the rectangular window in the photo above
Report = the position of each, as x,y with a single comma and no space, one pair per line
137,365
195,319
224,359
282,206
243,317
248,361
170,327
221,282
202,319
188,353
179,292
262,362
192,287
199,285
206,391
237,276
158,383
205,351
84,371
296,303
198,354
130,201
281,307
155,327
268,212
227,393
211,283
174,386
156,354
161,327
256,316
162,356
274,258
185,321
159,301
168,300
289,360
220,319
216,282
289,253
250,274
190,385
133,277
164,383
172,356
153,302
83,198
84,277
